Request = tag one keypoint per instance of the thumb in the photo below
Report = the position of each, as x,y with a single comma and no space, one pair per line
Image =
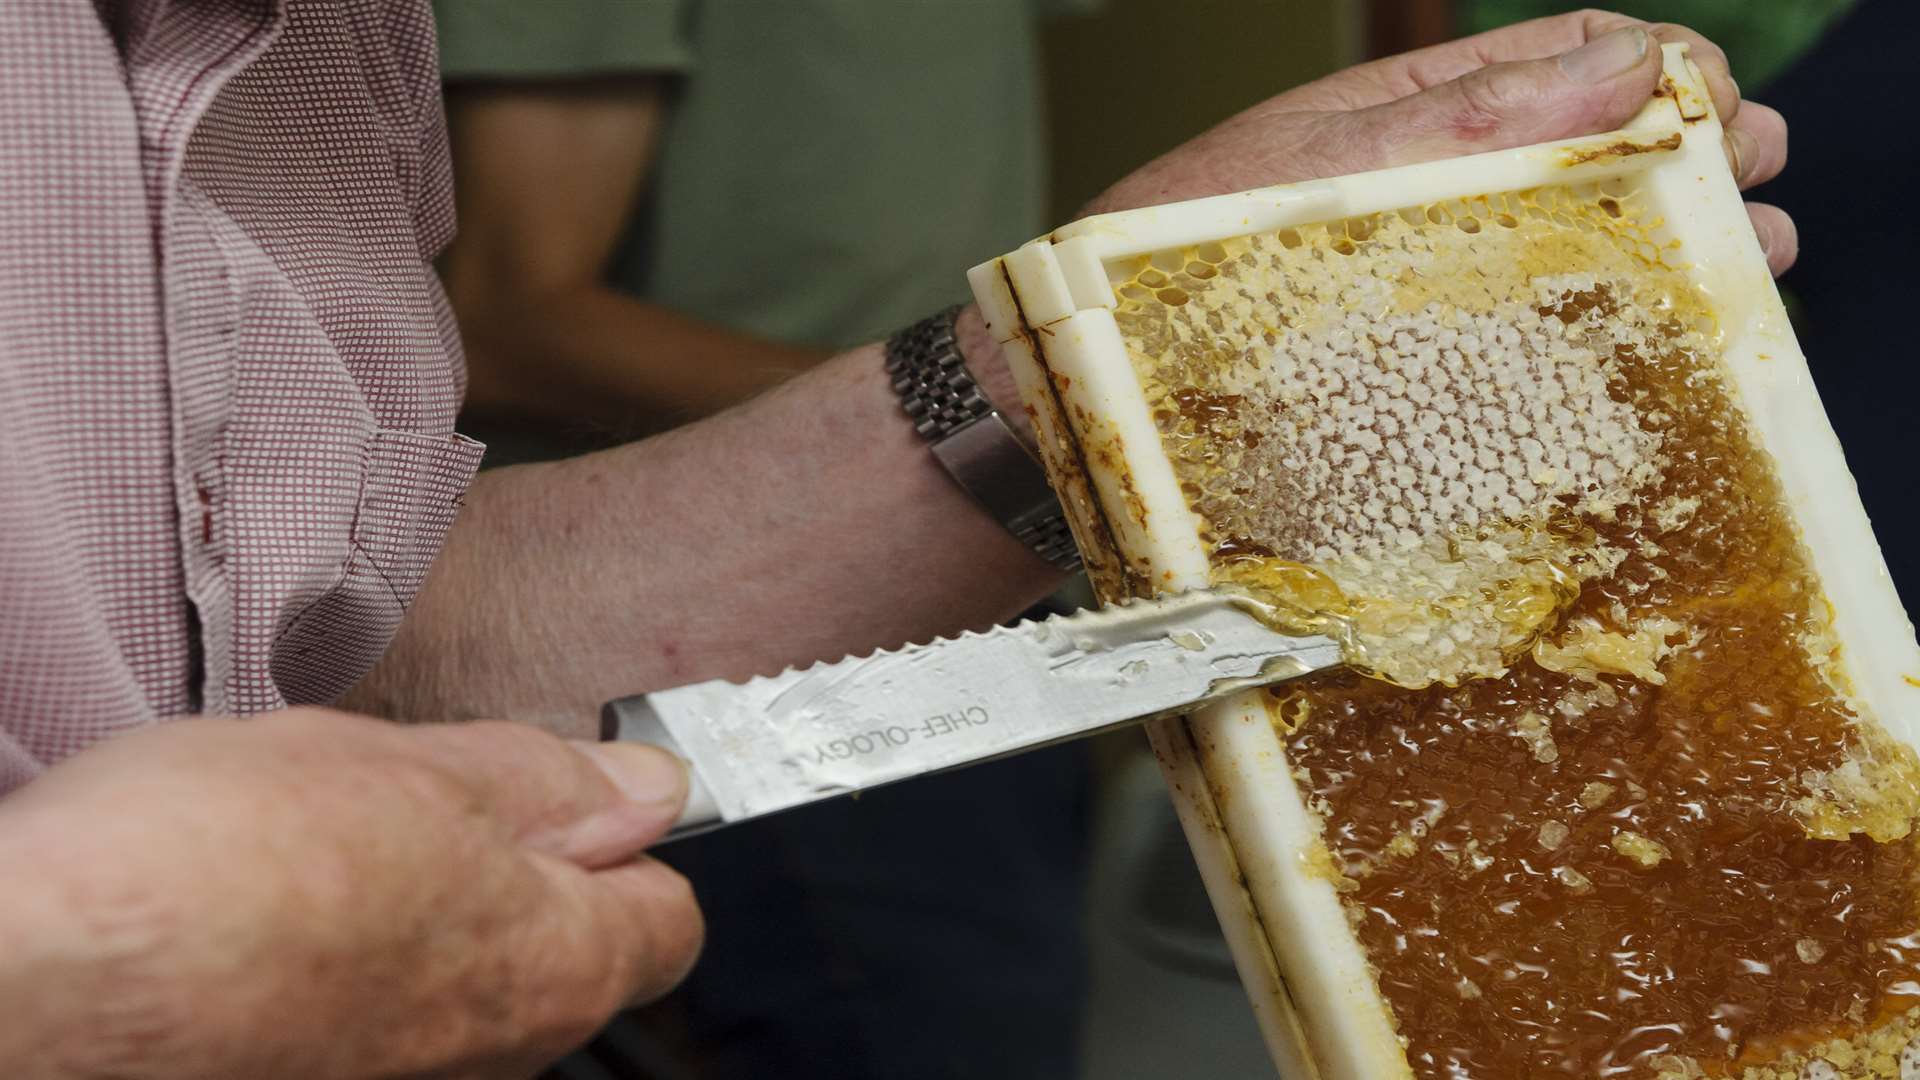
652,786
595,804
1595,87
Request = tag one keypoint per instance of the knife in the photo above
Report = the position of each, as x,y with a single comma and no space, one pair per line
774,743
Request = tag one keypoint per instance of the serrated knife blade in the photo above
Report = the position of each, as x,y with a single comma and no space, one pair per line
774,743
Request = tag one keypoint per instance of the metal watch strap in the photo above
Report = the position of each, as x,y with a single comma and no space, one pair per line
972,440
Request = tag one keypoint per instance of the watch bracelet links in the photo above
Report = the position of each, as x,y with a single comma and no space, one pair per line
972,440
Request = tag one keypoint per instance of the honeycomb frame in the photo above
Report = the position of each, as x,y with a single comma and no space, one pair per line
1052,306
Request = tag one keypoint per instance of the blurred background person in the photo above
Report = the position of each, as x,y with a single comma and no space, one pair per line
669,205
665,207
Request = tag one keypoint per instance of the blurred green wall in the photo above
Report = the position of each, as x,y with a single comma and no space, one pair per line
1141,76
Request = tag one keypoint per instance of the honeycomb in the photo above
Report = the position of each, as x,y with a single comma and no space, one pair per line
1599,800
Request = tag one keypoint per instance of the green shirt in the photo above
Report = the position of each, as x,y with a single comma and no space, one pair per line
829,168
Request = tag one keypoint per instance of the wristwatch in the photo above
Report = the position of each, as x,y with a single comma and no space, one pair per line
972,440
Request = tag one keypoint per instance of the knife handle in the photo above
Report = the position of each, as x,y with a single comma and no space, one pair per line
633,719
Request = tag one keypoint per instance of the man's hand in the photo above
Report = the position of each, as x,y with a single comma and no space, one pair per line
317,895
1536,81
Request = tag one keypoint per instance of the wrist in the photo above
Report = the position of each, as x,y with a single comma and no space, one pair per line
943,369
988,363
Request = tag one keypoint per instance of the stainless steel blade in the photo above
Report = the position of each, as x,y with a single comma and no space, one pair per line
832,729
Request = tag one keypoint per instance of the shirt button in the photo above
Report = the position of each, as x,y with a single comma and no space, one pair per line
206,512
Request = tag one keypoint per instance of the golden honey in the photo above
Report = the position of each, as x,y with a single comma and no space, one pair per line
1598,801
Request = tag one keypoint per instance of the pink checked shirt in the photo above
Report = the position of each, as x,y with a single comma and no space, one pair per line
228,375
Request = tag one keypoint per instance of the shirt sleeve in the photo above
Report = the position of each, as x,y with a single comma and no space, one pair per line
509,39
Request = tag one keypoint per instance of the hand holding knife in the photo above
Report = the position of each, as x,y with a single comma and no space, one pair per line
771,744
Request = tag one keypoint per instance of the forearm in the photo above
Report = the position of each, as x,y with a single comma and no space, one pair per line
69,1010
592,352
807,524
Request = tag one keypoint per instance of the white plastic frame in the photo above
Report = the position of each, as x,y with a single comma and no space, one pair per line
1050,306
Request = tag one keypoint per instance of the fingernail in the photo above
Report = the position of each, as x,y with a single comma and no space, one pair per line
1765,236
644,774
1742,151
1606,56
